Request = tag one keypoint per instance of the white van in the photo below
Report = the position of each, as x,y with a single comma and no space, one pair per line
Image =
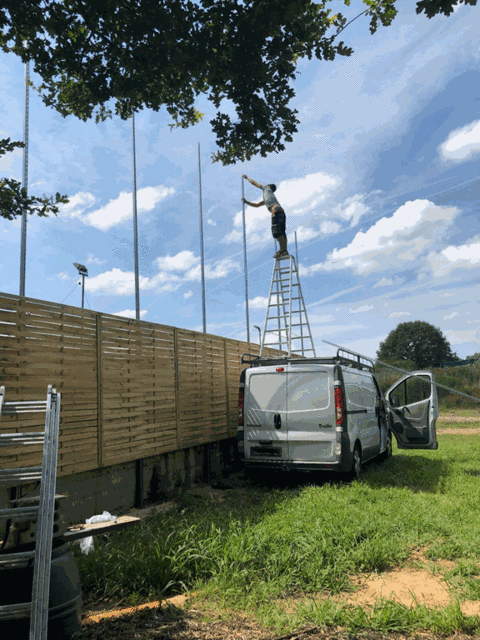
329,413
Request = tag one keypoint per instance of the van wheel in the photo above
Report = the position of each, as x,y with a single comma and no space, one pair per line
357,469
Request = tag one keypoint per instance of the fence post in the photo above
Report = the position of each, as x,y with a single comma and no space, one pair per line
227,398
175,355
98,337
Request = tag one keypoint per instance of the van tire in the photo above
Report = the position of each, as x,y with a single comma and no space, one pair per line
357,467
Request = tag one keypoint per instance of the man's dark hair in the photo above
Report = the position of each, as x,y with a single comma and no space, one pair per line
273,187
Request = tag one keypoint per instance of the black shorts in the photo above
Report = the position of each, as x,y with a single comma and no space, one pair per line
278,222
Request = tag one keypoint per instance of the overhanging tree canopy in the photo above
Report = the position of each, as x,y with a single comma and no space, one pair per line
14,198
154,53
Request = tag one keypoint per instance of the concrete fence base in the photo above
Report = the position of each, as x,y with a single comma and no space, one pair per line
165,476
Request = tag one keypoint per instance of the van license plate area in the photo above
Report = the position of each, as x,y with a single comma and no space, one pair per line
273,452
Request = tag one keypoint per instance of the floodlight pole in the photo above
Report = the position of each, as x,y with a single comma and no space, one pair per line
245,260
202,255
23,241
139,462
135,224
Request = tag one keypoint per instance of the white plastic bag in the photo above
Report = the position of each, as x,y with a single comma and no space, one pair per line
86,544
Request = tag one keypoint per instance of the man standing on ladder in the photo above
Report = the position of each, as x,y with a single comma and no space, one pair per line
278,214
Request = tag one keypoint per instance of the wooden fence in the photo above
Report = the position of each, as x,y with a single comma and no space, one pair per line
130,389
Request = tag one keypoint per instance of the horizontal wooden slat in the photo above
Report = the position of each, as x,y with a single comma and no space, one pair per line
160,387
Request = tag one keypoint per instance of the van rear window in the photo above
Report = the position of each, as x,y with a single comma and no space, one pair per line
267,391
307,391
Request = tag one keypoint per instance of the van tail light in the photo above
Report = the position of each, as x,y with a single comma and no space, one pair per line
241,396
339,406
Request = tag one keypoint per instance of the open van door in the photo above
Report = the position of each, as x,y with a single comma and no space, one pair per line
412,406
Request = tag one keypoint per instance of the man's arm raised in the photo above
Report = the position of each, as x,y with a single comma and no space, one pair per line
255,184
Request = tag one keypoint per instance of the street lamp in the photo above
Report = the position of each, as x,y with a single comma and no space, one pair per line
259,333
83,272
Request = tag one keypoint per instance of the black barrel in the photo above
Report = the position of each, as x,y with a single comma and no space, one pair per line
65,600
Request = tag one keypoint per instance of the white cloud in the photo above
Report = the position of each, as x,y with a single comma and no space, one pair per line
120,283
393,243
352,209
389,282
64,276
120,209
454,314
77,205
93,260
399,314
446,295
259,302
188,294
182,261
461,337
328,227
462,143
304,234
364,308
220,270
115,282
130,313
465,256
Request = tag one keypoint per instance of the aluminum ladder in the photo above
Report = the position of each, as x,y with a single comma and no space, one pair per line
37,608
286,323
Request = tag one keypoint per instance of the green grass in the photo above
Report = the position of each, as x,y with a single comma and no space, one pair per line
288,540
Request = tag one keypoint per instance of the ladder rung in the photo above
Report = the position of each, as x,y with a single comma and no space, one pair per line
20,439
29,406
12,611
20,513
27,474
15,560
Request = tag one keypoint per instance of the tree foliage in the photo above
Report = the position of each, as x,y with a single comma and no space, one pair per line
419,342
241,54
14,198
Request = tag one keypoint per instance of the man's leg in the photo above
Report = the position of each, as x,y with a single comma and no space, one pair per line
283,244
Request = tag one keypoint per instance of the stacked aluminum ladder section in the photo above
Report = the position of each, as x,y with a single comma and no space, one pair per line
37,609
286,320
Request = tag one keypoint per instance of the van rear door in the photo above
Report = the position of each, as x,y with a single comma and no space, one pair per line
310,414
265,414
412,406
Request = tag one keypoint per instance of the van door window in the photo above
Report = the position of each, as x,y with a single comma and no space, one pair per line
411,391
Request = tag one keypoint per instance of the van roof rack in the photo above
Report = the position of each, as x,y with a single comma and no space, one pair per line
344,356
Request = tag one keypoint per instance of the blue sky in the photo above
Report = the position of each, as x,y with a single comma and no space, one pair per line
381,184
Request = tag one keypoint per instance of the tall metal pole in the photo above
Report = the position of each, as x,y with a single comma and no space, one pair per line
23,242
139,462
245,261
202,255
83,290
135,224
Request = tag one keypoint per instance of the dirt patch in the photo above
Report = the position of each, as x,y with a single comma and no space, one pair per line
467,431
452,417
